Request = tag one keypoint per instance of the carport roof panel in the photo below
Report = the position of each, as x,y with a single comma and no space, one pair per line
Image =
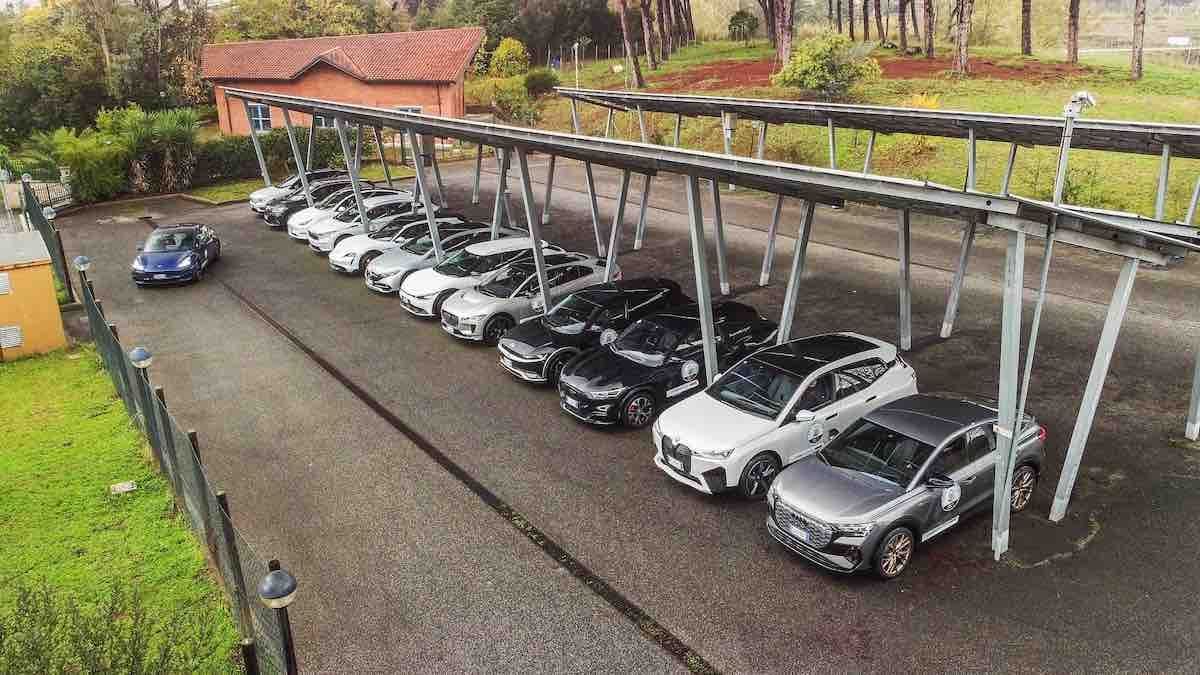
1090,134
822,185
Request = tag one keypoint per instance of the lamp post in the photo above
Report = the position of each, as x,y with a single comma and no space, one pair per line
83,264
277,590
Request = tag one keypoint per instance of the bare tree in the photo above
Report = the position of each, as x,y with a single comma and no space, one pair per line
1027,27
768,10
638,81
903,29
1073,31
784,10
879,21
830,2
1139,38
962,37
648,32
850,18
927,10
687,19
866,17
839,16
664,31
912,18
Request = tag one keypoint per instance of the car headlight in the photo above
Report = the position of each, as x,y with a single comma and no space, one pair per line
187,261
855,529
606,394
713,454
348,256
137,265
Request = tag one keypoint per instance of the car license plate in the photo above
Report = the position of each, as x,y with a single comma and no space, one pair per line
160,276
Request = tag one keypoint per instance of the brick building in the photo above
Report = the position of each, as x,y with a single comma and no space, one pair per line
424,68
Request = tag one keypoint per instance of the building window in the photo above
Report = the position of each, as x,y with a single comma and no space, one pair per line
260,117
323,122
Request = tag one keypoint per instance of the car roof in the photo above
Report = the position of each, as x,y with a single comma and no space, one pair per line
380,200
557,260
178,228
930,418
603,292
682,317
503,245
804,356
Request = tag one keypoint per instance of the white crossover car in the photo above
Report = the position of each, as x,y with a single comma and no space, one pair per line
489,310
261,198
353,254
774,407
387,272
424,291
299,222
323,235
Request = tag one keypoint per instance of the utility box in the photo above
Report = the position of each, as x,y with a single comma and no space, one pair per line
30,321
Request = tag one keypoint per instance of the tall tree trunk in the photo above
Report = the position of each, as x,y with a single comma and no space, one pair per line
962,37
830,3
1139,36
1073,30
912,19
839,16
1027,27
768,10
879,21
648,32
866,7
903,29
664,31
850,18
687,19
633,57
783,30
927,11
678,22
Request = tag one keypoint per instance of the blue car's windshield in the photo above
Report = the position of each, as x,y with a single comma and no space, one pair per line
169,241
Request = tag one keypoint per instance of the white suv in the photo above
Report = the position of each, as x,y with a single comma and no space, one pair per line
299,222
423,292
325,234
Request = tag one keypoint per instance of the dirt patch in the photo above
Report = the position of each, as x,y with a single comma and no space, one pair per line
737,74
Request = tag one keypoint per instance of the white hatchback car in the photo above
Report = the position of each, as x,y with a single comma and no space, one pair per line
353,254
299,222
424,291
323,235
261,198
487,311
387,272
776,406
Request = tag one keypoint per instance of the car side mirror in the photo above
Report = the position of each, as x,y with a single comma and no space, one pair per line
805,416
939,481
139,248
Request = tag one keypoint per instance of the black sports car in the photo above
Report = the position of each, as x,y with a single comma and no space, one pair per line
277,213
537,349
654,361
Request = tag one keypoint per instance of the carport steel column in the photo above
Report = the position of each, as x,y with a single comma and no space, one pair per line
769,254
591,185
500,210
426,199
1095,385
301,166
905,236
549,183
339,125
1007,430
614,236
535,229
262,163
799,253
700,264
387,175
719,231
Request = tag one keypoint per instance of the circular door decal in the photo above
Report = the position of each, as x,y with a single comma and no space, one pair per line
950,497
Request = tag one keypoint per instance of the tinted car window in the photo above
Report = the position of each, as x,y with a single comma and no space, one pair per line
756,387
878,451
952,458
817,394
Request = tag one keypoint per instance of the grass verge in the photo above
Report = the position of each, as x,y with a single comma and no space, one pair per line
66,438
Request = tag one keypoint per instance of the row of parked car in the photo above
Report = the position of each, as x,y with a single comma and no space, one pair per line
856,466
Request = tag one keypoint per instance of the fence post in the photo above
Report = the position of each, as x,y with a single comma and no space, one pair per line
144,397
122,374
166,440
235,562
201,483
249,656
66,277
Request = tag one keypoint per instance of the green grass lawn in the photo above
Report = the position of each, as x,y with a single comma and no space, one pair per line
1167,93
65,439
240,189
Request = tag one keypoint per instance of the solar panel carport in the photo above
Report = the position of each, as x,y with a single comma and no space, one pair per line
1019,218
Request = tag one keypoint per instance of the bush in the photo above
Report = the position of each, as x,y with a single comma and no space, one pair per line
513,104
540,81
510,59
829,65
97,163
742,25
232,157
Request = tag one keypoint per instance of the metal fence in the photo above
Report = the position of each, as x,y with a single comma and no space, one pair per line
37,218
177,453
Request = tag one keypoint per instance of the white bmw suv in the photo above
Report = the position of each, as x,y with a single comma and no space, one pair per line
423,292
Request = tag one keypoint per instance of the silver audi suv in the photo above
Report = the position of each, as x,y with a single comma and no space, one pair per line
903,474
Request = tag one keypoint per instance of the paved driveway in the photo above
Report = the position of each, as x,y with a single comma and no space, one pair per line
406,568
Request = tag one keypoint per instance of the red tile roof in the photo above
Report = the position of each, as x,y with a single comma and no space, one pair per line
417,56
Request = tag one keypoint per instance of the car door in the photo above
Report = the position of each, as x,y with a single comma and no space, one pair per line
797,439
200,247
851,397
690,349
979,478
954,462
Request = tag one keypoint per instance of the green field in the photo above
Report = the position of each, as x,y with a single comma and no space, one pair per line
66,438
1167,93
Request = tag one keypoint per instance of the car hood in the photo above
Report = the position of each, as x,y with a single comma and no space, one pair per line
162,260
359,244
525,338
307,215
426,281
471,302
396,260
604,369
831,493
329,225
702,422
267,193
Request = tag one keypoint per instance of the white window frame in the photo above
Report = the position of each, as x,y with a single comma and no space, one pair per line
259,114
323,122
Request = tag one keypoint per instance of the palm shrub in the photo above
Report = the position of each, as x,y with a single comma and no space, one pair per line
829,65
174,133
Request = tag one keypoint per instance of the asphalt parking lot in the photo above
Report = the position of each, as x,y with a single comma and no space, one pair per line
404,568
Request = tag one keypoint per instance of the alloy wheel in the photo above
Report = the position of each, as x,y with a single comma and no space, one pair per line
496,328
639,410
896,554
759,475
1022,487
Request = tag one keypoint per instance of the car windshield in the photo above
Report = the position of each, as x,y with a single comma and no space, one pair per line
647,342
335,197
756,387
464,263
570,316
390,230
878,452
169,241
508,282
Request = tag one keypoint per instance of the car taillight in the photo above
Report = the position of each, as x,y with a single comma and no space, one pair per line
1042,434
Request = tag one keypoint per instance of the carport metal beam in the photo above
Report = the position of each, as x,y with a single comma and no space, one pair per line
339,125
500,209
1007,427
426,199
262,162
387,175
791,296
700,265
535,229
614,236
301,166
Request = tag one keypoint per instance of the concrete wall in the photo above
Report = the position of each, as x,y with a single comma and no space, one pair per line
32,305
327,82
